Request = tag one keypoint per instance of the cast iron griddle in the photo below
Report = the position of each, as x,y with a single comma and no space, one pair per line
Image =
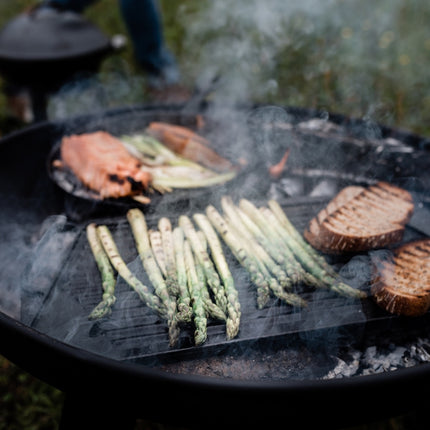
133,332
72,185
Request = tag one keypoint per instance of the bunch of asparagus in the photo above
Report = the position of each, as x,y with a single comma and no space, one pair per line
185,266
274,253
189,273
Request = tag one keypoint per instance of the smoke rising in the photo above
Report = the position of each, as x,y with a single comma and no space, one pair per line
358,58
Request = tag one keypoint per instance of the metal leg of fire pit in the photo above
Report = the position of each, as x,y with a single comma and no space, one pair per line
39,101
81,411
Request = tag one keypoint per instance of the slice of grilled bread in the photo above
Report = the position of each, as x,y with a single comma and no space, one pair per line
401,285
359,219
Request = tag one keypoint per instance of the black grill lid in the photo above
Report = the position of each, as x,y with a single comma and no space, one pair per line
49,34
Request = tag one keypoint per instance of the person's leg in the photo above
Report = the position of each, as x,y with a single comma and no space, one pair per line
144,24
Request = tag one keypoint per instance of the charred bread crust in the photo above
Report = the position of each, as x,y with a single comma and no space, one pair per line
400,304
402,285
360,219
332,241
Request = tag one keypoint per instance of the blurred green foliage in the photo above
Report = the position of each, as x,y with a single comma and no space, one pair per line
359,58
25,402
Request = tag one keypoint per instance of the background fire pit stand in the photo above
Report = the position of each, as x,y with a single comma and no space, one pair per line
44,48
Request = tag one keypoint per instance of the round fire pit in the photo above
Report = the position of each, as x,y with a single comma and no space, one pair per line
330,364
43,48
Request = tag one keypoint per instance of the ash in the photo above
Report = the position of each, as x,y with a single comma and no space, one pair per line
378,359
304,360
293,363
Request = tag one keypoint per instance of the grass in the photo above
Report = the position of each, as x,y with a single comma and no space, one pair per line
26,402
363,58
359,58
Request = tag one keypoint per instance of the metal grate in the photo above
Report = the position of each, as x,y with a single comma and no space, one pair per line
134,332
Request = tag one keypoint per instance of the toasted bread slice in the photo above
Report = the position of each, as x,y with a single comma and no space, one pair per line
402,285
359,219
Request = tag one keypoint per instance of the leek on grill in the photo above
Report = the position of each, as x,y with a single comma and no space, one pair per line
170,170
106,271
155,153
168,177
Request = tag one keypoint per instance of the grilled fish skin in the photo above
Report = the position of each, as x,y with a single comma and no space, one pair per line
103,164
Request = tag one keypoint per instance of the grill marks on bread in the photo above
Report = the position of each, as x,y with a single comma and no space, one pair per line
359,219
401,285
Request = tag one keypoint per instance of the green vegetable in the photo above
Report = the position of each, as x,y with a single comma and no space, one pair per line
157,249
165,228
205,262
323,275
252,245
170,170
239,251
233,305
140,233
185,312
195,288
106,271
151,300
293,268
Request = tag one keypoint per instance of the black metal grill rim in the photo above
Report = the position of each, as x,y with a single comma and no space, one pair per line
138,334
70,369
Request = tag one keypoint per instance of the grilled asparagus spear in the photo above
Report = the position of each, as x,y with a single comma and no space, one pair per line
259,252
294,270
233,305
205,261
157,249
185,311
275,277
107,274
244,258
309,261
289,227
194,286
165,227
151,300
140,232
211,308
282,258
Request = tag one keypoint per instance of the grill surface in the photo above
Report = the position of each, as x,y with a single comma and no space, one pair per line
135,333
358,152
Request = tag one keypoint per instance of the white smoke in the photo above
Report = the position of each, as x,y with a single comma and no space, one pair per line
309,53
